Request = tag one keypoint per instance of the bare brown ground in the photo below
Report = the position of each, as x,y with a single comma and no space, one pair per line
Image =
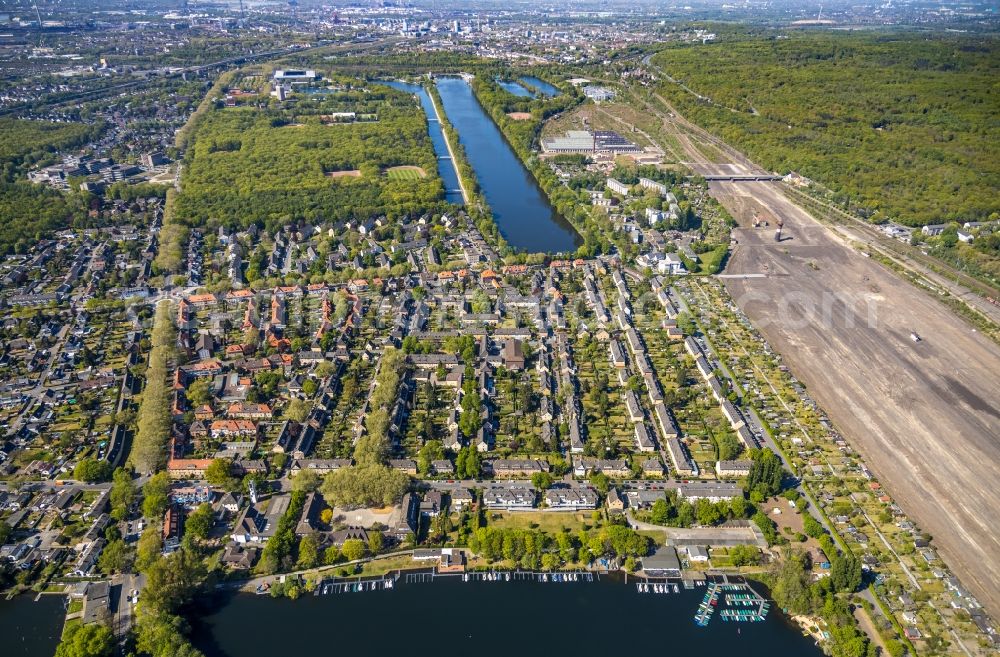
925,415
352,173
519,116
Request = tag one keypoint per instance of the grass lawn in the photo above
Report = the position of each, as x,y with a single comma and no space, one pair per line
550,523
405,173
383,566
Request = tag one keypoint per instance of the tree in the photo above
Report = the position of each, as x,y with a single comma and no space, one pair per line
156,495
297,410
123,493
306,480
91,640
91,470
200,391
353,549
366,485
541,480
199,522
811,526
767,527
729,447
220,473
468,464
171,581
766,473
162,635
706,513
600,482
149,448
845,572
148,547
744,555
308,551
791,583
376,541
309,387
739,507
660,513
116,557
431,451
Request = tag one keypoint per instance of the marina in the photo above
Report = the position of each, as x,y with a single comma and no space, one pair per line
734,601
740,603
562,598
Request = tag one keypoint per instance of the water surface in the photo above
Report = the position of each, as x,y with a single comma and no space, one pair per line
490,619
515,88
525,218
446,168
541,86
29,628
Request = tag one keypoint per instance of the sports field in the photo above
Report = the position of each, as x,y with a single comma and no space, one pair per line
405,173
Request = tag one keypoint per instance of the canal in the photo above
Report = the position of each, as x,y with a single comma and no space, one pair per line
446,168
488,619
525,218
29,628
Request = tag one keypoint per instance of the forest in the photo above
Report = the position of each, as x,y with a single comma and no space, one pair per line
898,126
272,165
28,212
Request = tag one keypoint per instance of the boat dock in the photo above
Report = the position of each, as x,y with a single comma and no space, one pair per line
327,587
657,587
740,603
530,576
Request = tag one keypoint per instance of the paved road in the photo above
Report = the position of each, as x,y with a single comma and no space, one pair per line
123,611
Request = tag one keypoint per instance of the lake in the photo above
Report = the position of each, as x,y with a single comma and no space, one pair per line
522,212
515,88
29,628
450,617
540,85
446,168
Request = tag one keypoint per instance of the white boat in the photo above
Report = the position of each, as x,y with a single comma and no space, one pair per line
676,590
508,577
